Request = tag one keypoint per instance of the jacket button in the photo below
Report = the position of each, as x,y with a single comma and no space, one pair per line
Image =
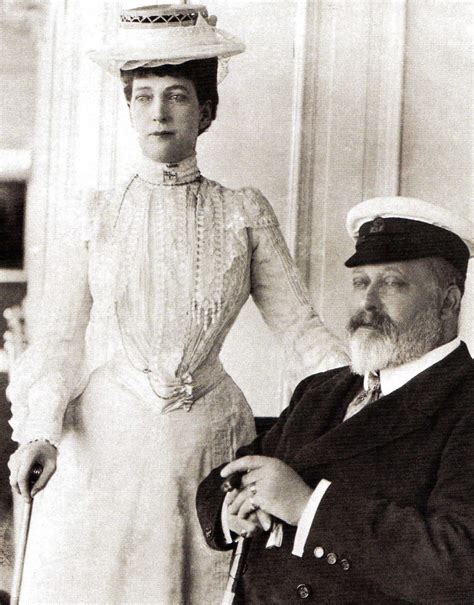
303,591
318,552
331,558
345,564
208,532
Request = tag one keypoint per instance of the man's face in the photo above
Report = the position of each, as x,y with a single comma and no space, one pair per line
166,115
395,314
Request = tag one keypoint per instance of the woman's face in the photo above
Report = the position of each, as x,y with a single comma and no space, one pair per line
167,118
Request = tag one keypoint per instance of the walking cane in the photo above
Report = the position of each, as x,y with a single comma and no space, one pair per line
236,570
240,553
23,537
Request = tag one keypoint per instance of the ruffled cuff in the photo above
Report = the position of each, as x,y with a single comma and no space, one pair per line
42,416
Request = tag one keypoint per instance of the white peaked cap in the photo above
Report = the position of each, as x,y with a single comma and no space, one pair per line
412,209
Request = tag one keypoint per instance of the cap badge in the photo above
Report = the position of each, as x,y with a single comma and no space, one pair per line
378,225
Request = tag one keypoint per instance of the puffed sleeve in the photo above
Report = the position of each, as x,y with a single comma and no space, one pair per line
282,299
52,370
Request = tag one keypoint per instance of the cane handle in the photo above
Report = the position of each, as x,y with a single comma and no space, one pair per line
233,481
35,474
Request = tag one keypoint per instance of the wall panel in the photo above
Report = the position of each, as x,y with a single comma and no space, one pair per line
437,143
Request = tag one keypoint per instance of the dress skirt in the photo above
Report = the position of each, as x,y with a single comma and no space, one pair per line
117,522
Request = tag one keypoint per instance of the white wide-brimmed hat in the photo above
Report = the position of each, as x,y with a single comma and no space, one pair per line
150,36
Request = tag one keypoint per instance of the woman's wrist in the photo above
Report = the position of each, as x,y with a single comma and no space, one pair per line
41,440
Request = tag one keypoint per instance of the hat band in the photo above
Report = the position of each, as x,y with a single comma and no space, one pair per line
172,37
162,16
157,22
141,25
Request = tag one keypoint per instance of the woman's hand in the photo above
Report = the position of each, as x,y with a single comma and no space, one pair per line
271,485
22,462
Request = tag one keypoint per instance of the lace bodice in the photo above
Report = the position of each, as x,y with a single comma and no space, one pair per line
158,273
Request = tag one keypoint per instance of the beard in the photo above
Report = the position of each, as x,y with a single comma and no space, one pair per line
377,342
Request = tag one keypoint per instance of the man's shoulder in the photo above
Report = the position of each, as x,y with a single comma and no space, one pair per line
322,379
461,376
457,370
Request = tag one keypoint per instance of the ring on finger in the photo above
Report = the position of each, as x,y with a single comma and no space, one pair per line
253,489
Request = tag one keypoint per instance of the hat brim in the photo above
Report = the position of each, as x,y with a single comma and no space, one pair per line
113,59
372,257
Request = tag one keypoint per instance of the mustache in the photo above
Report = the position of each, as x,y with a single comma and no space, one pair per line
377,320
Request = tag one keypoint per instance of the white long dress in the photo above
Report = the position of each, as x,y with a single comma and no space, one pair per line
125,379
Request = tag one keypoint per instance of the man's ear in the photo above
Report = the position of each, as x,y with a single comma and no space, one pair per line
205,117
451,302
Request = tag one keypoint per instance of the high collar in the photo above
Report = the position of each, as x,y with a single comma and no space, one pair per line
158,174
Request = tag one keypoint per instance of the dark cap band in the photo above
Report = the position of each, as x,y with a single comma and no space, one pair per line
399,239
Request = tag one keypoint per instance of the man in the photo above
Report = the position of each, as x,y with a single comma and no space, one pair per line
369,473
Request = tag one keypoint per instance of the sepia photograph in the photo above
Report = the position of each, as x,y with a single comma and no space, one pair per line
236,302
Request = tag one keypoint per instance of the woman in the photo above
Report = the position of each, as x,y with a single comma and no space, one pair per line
124,390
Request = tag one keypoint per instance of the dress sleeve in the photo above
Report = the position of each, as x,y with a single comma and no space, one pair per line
282,299
52,370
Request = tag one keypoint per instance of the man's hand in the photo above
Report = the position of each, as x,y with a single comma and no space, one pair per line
246,522
24,459
269,484
247,528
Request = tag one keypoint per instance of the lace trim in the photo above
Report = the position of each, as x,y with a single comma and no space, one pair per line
221,216
210,253
196,232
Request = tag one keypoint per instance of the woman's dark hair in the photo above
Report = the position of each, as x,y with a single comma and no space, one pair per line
201,72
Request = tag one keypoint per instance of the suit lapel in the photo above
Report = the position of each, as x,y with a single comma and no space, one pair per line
403,411
320,409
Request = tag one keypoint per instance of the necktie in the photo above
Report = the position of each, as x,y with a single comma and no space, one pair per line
370,395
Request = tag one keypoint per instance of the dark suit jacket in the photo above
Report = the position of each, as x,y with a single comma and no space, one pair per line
400,509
